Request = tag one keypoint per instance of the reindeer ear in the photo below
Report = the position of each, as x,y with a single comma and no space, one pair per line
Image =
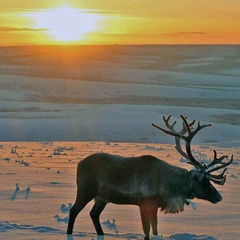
197,174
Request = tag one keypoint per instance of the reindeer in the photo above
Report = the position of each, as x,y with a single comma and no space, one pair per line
147,181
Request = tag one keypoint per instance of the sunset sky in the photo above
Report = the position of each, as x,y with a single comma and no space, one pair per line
28,22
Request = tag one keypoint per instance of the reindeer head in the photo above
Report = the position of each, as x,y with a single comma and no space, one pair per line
201,176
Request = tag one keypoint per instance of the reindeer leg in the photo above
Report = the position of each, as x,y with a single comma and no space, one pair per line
148,210
80,203
95,214
153,221
145,220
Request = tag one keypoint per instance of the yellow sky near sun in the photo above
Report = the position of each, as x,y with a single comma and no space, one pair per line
119,22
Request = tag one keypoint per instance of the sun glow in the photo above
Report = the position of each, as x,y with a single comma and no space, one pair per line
66,24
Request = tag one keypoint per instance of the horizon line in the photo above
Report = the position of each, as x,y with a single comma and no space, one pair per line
116,44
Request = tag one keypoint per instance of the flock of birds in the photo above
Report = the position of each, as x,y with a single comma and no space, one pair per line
110,225
17,189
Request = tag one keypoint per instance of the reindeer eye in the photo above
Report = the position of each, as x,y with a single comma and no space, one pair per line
205,181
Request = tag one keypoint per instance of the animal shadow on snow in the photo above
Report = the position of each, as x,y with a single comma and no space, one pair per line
14,196
6,226
179,236
189,236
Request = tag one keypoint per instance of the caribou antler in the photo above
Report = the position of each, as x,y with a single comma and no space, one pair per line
191,132
221,178
182,132
187,133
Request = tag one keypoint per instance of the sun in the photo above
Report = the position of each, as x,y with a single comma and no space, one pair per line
66,24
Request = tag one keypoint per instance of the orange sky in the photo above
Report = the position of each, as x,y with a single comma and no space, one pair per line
119,22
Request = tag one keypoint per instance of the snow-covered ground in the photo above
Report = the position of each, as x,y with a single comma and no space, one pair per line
37,208
105,99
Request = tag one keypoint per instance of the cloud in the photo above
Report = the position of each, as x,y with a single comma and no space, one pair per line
187,33
13,29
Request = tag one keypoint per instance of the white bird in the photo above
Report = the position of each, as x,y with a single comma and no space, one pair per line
17,187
